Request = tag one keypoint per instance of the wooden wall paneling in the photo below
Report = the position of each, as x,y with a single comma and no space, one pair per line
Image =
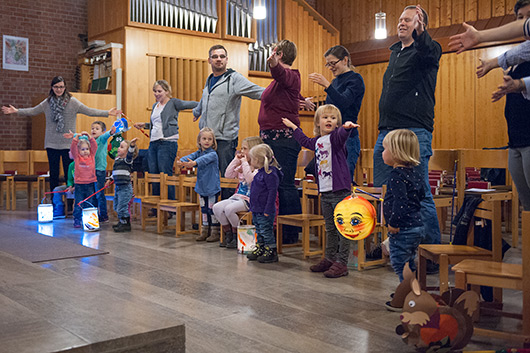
167,69
445,13
369,113
471,10
180,78
98,101
434,13
187,78
484,9
304,53
457,11
454,110
159,67
106,16
193,80
498,7
173,75
491,130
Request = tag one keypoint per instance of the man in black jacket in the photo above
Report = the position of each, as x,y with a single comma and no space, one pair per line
407,102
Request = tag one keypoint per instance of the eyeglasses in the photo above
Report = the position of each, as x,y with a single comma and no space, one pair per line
59,87
332,63
218,56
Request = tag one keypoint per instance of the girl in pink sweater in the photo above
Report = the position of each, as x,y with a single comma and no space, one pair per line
226,210
83,150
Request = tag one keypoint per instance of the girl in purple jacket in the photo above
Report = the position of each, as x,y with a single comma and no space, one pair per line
263,195
333,179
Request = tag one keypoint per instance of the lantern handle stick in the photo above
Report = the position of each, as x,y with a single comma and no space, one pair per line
103,188
55,192
143,132
367,193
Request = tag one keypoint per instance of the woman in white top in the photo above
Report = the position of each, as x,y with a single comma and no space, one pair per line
164,131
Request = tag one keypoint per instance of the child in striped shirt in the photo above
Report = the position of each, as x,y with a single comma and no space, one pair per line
121,174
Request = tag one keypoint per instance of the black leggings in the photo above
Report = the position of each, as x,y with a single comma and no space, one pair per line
54,157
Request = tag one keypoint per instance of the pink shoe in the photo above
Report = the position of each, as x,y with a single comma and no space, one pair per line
336,270
322,266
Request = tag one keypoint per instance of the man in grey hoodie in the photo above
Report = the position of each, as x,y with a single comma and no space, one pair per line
221,103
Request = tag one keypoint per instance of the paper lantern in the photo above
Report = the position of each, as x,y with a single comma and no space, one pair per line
246,238
113,145
121,125
45,212
90,219
355,217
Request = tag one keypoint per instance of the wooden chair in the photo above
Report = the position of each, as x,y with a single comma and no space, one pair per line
449,254
304,220
304,157
443,160
188,201
364,171
490,159
17,164
148,200
476,273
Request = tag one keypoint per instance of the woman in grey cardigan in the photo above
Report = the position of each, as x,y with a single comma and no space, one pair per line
61,110
164,131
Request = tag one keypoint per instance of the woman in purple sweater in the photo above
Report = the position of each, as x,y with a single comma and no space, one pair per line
281,99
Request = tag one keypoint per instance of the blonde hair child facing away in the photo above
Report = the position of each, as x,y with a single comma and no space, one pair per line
403,146
263,157
135,153
206,130
329,109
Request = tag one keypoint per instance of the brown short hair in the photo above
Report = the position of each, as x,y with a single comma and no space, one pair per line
288,49
100,123
215,47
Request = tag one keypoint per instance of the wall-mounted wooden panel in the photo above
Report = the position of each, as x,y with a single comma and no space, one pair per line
356,19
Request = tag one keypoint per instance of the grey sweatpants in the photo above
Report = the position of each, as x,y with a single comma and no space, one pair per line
519,166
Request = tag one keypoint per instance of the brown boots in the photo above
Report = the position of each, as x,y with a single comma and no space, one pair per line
205,233
215,234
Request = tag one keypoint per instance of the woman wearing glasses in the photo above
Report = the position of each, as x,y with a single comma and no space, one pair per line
346,92
61,110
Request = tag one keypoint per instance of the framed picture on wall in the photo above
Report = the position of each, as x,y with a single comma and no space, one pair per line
15,54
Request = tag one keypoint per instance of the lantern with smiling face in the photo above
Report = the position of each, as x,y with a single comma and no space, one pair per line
355,217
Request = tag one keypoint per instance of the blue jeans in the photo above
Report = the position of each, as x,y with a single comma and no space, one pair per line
353,149
226,151
286,152
101,199
264,224
428,209
82,191
122,199
160,159
403,246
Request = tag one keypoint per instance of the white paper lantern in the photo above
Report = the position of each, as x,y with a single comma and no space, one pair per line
90,219
45,212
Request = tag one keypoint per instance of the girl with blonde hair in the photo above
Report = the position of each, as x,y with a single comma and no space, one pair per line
263,196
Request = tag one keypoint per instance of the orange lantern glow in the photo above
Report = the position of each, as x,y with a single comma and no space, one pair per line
355,217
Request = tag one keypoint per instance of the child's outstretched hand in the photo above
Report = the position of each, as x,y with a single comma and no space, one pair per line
133,142
113,130
289,123
189,163
350,125
68,135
